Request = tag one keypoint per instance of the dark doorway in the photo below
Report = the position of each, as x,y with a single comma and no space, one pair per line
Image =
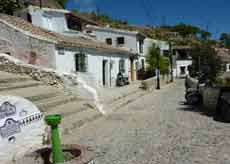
77,62
104,64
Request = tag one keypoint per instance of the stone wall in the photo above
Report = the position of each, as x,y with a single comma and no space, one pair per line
209,94
47,76
26,48
151,83
210,97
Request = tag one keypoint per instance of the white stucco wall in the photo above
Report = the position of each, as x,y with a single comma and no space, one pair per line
66,62
51,20
94,74
95,68
130,39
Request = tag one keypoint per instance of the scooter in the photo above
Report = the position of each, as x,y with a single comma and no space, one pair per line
192,95
122,80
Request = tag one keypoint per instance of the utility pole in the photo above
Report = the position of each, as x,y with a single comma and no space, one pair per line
158,68
171,61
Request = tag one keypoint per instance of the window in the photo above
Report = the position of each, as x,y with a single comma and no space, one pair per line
141,44
120,40
108,41
61,51
122,66
81,62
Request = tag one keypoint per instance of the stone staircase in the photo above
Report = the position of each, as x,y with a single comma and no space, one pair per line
76,111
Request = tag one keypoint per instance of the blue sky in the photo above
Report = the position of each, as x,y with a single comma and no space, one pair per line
213,15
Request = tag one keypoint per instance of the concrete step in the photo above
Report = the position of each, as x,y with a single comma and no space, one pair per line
18,85
70,108
13,79
10,76
42,96
31,91
46,104
74,121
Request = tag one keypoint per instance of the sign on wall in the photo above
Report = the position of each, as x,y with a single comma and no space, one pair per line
22,127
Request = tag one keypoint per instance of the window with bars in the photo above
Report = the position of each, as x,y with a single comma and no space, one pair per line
81,62
109,41
120,41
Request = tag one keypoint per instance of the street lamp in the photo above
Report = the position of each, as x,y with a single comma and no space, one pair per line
171,61
158,68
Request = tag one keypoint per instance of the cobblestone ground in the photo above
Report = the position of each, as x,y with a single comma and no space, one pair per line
157,129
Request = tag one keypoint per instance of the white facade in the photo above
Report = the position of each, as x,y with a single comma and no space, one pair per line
181,69
128,40
111,68
50,19
101,69
65,61
131,40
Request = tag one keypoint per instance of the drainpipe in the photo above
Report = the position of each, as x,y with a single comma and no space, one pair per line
171,61
158,68
110,78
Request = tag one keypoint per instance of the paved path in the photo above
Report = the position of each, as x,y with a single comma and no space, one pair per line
156,129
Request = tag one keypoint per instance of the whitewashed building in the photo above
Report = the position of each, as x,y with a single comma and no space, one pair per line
56,20
181,61
224,54
132,41
102,67
97,61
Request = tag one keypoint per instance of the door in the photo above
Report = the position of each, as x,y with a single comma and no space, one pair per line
132,69
105,72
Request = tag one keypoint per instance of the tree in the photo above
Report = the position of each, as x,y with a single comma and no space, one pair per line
62,2
9,6
225,39
151,59
205,35
205,61
186,30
